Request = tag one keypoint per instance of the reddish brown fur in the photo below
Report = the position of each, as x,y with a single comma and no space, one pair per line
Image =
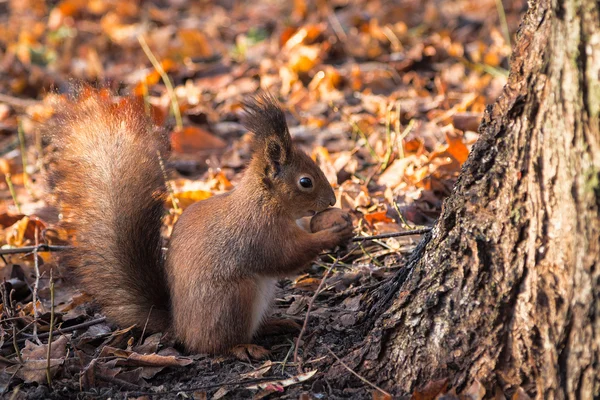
110,187
225,252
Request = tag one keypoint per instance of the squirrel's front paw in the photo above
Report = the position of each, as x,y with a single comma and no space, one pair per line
336,236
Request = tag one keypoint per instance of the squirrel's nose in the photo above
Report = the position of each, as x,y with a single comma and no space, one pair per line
332,200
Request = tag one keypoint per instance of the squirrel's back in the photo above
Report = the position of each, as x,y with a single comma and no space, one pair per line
110,188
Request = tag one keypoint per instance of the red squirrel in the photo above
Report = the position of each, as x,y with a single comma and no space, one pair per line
215,287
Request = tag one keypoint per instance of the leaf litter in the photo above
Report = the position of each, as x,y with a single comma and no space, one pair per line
385,96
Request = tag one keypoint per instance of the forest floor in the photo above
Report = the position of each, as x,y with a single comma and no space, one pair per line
385,95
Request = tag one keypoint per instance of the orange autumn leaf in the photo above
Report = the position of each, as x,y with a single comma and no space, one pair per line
188,198
222,182
192,139
457,148
306,282
194,43
378,216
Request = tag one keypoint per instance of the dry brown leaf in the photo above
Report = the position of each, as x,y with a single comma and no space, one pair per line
305,282
258,372
377,395
520,394
192,139
431,390
277,386
35,359
221,393
194,43
475,392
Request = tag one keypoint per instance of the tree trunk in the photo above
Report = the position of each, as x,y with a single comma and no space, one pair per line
505,291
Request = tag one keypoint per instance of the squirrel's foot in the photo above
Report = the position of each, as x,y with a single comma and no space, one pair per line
274,326
247,352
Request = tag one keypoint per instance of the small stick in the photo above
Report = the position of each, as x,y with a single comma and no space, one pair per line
18,102
32,249
69,329
21,137
287,356
390,235
389,396
244,383
13,193
53,248
15,345
310,304
36,285
166,81
395,206
145,325
8,307
48,377
365,252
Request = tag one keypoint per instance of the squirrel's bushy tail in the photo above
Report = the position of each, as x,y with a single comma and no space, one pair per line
110,188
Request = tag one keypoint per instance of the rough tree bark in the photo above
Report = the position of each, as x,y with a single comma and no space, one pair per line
505,291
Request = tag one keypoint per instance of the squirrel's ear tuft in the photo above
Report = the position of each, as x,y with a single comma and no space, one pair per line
265,118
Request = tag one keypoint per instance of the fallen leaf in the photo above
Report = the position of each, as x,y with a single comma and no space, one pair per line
377,395
192,139
475,392
188,198
306,282
35,359
377,216
457,148
520,394
431,390
277,386
258,372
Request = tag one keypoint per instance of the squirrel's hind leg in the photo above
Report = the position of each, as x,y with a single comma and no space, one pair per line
217,318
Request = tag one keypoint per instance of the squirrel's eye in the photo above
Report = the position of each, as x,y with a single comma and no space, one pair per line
305,182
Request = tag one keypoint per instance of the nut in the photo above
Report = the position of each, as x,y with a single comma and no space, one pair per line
329,218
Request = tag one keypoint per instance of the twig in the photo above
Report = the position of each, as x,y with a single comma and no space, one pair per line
15,345
16,391
18,102
13,194
395,206
206,387
365,252
35,285
390,235
337,27
65,330
310,304
158,67
9,306
32,249
48,377
21,137
358,376
52,248
503,22
287,356
145,325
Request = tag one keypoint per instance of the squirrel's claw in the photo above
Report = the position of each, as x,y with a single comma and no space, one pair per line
248,352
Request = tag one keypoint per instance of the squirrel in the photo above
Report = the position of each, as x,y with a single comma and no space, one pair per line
214,288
